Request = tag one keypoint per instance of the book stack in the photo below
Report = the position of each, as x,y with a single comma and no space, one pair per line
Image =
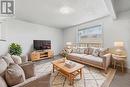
70,64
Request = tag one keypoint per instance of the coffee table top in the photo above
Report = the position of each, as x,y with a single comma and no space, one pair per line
61,65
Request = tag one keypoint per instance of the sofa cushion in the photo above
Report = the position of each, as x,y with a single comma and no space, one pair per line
3,66
92,59
14,75
96,52
16,59
8,59
2,82
76,56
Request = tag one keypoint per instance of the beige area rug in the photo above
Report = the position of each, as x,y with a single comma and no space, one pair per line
92,77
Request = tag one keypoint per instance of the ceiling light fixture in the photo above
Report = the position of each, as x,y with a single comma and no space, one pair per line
66,10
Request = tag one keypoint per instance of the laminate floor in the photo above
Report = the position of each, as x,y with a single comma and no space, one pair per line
121,79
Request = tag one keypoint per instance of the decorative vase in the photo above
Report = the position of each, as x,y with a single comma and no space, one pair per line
65,59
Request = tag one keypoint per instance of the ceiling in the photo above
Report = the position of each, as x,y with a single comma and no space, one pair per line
47,12
122,5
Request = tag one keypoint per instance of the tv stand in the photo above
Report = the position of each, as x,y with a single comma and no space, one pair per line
41,54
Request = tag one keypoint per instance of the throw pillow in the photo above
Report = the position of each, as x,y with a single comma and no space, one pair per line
14,75
75,50
69,50
86,51
95,52
81,50
103,52
28,69
90,51
8,59
2,82
17,59
3,66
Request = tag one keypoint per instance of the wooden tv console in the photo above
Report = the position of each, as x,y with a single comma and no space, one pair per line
38,55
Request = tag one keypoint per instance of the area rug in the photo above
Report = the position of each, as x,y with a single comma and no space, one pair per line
92,77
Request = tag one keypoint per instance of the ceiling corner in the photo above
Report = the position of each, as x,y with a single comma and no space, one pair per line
111,8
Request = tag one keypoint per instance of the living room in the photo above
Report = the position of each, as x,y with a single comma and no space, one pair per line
62,23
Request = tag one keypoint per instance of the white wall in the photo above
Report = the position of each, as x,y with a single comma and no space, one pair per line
114,30
24,33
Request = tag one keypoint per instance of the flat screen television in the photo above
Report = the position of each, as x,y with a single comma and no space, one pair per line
41,44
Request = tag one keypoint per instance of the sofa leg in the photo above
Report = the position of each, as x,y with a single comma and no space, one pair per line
105,71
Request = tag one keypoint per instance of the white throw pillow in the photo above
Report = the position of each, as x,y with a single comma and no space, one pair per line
75,50
17,59
81,50
8,59
96,52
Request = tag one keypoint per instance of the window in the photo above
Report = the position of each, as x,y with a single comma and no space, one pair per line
92,35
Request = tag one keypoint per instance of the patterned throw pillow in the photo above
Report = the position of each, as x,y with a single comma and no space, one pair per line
103,52
86,51
96,52
91,51
14,75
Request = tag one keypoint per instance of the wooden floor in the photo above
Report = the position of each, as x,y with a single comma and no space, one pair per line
120,79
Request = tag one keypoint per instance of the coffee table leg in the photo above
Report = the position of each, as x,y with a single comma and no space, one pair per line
53,68
81,73
70,79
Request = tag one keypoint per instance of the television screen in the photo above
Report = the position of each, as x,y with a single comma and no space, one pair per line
42,44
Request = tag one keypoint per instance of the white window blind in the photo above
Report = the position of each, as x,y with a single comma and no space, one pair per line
92,34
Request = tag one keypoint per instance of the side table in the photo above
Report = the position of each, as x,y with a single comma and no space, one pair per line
119,59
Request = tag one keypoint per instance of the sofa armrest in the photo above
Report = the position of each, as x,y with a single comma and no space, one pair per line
106,60
41,81
28,69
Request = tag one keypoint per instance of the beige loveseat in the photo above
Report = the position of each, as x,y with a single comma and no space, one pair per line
31,80
96,57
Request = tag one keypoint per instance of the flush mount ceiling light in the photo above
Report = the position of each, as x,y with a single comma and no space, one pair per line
66,10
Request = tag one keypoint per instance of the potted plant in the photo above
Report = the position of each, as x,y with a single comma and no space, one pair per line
65,54
15,49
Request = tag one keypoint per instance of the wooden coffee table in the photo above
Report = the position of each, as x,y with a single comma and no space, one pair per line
69,73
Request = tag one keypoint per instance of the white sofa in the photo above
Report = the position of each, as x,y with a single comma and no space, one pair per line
100,60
